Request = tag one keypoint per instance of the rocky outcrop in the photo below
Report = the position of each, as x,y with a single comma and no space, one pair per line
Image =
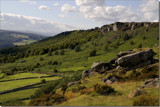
136,59
101,67
110,79
73,83
151,83
137,92
125,26
86,73
120,54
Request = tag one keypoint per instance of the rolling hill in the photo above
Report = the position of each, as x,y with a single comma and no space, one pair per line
14,38
67,55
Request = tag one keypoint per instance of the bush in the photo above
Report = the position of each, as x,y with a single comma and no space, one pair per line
55,63
144,100
131,43
103,89
48,100
144,38
55,71
41,59
56,53
43,81
140,46
93,53
78,48
77,89
87,91
56,84
14,102
126,37
62,52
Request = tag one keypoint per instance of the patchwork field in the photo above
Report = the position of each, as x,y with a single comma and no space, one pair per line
31,82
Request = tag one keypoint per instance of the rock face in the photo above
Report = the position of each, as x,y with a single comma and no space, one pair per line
101,67
125,26
135,59
120,54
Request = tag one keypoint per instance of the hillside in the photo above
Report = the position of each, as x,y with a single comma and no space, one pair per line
64,58
13,38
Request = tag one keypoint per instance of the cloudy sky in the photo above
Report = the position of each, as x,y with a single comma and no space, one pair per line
50,17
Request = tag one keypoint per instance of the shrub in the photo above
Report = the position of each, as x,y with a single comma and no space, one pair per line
55,71
62,52
131,43
55,63
144,100
126,37
41,59
14,102
56,53
103,89
48,100
78,48
43,81
144,38
140,46
93,53
87,91
77,89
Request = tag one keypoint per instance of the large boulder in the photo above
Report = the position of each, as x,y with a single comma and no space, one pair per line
86,73
120,54
151,83
101,67
137,92
134,59
73,83
110,79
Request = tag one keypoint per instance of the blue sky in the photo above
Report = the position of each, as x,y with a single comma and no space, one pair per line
73,14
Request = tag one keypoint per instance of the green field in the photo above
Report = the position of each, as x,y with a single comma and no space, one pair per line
9,85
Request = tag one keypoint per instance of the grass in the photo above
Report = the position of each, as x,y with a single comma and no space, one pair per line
22,75
17,95
19,83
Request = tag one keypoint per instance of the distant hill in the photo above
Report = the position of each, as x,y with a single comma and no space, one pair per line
12,38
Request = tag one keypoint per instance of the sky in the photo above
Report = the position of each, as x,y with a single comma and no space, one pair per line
49,17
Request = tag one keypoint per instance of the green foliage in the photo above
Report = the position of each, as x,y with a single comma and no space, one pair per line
145,100
56,53
62,52
48,100
78,48
131,43
92,53
43,81
14,102
52,86
103,89
140,46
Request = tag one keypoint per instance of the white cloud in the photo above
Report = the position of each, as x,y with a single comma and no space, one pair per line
28,1
55,4
90,2
97,10
149,9
68,8
32,24
43,7
61,15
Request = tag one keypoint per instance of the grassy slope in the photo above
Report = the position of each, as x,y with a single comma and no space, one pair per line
120,99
